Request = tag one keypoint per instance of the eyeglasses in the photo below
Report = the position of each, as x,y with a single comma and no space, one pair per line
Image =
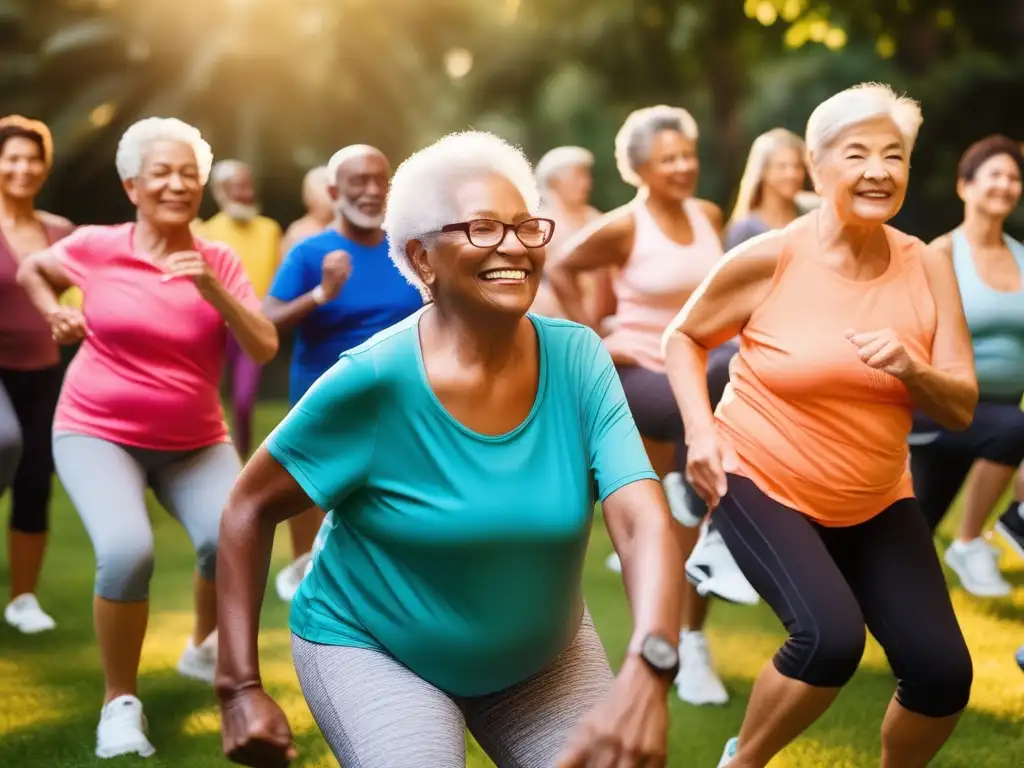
488,233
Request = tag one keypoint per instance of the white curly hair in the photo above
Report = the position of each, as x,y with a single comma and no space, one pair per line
633,141
420,200
857,105
132,147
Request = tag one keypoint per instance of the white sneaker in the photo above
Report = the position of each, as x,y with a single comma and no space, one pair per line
613,564
697,682
977,565
290,577
200,662
24,614
713,571
122,729
675,492
731,747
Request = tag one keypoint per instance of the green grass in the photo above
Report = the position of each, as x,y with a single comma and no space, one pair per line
50,685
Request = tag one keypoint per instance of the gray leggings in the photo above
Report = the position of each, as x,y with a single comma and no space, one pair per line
376,713
107,484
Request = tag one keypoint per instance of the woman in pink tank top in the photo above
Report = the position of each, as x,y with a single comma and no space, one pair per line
846,326
140,406
30,370
660,247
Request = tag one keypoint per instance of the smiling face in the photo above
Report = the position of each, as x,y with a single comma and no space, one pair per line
167,191
360,189
864,174
22,168
995,188
500,278
671,169
784,173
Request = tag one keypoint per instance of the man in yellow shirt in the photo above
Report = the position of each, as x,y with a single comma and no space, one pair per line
257,241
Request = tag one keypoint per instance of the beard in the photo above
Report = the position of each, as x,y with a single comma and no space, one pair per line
243,212
357,218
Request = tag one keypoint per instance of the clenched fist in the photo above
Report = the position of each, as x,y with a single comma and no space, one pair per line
336,268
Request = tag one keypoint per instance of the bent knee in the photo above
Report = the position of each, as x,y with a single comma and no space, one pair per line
827,658
937,685
123,571
11,447
206,556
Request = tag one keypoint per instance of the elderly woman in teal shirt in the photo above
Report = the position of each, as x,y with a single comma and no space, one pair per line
460,454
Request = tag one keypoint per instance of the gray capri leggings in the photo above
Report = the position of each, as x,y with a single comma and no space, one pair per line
107,484
376,713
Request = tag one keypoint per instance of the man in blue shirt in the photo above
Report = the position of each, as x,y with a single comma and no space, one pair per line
337,289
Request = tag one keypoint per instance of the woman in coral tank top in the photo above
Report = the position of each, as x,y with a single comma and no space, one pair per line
846,326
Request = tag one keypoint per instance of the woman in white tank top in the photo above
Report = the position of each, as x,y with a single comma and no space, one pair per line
659,247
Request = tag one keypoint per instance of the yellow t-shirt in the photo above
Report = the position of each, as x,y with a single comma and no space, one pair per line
257,243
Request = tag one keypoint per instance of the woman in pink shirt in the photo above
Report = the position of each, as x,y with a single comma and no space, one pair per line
30,370
140,404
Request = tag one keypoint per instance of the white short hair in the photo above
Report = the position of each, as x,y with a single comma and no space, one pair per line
345,154
558,159
633,141
132,147
857,105
420,200
224,169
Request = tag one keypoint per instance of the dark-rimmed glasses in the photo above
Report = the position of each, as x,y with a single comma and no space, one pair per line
488,233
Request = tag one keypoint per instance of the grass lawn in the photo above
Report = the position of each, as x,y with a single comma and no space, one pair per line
50,685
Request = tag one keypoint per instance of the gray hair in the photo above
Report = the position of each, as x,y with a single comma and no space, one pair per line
558,159
224,169
135,140
633,141
345,154
857,105
420,200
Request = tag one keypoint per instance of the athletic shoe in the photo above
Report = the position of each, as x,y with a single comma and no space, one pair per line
24,614
675,492
731,746
200,662
122,729
713,571
697,682
290,577
1011,527
976,563
613,564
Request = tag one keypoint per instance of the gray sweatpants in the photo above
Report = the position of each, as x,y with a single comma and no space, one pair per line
376,713
107,484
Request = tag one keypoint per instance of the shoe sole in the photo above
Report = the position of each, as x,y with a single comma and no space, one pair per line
955,568
1008,537
702,702
33,631
193,675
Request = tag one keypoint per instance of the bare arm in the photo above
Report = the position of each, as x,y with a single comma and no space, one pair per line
285,315
605,243
256,335
715,313
263,496
43,278
640,527
947,389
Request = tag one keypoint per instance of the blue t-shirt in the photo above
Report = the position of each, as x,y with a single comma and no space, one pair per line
460,554
375,296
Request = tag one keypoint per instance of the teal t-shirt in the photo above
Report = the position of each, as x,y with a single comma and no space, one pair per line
460,554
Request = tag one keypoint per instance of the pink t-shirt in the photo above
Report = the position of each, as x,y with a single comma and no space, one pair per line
149,373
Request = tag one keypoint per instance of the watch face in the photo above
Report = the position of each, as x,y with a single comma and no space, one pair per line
660,653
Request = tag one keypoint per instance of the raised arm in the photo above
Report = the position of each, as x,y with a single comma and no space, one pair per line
946,389
715,313
605,243
292,299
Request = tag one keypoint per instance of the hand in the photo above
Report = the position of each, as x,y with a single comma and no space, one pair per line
336,268
254,730
628,729
67,325
708,460
190,264
883,351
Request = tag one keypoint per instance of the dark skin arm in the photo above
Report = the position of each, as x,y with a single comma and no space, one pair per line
285,315
630,727
255,730
605,243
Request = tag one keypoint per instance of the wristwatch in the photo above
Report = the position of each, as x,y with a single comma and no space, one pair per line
661,655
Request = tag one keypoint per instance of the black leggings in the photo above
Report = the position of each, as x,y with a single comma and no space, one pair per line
27,402
940,459
825,584
656,412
